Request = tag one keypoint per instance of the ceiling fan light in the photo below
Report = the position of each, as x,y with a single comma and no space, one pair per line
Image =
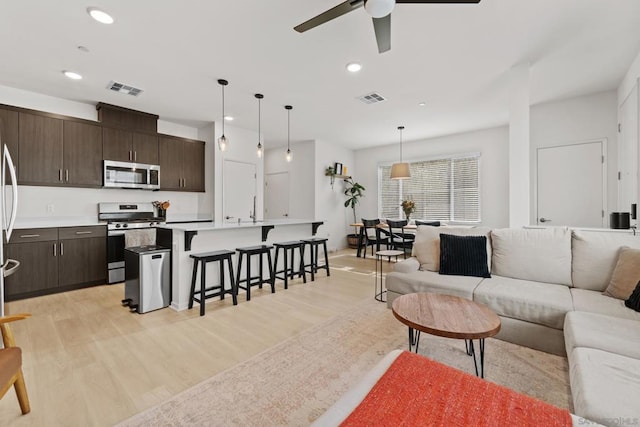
400,171
379,8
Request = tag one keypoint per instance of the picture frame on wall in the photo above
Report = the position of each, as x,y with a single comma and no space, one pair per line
338,168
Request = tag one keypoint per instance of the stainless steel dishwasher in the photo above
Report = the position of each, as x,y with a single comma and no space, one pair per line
147,284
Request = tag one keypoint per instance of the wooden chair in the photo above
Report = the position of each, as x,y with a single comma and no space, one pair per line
11,363
372,235
400,240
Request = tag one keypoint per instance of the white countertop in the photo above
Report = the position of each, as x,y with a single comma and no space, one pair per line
52,222
212,226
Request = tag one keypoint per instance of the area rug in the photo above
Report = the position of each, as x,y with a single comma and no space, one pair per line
296,381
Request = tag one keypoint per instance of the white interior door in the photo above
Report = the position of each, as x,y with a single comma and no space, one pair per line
239,190
571,185
276,195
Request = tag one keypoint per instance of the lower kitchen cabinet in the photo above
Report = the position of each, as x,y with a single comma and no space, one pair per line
56,260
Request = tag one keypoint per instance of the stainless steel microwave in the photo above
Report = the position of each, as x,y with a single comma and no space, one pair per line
131,175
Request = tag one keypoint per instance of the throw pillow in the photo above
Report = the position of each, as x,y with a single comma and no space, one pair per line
634,300
463,255
625,275
426,247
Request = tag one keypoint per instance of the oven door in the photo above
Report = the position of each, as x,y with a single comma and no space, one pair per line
115,256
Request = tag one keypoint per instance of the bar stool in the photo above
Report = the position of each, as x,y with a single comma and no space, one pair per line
314,247
288,271
202,259
259,279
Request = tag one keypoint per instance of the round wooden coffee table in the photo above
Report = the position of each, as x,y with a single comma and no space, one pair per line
447,316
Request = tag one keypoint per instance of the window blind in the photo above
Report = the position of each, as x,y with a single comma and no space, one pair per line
443,190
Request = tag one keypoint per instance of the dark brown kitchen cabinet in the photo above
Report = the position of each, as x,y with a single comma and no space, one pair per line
82,261
181,164
127,146
55,260
40,150
82,154
36,249
9,131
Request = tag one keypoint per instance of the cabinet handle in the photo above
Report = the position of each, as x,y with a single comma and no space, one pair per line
129,155
55,250
135,156
184,182
84,232
61,249
66,175
24,236
60,175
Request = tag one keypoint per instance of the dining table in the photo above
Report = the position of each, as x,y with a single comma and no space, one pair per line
383,226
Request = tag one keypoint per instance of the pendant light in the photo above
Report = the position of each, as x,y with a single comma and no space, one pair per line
400,170
222,141
289,155
259,96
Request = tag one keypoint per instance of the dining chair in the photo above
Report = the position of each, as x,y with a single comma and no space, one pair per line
399,239
11,363
372,236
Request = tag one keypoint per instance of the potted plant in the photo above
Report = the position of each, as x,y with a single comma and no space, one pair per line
353,191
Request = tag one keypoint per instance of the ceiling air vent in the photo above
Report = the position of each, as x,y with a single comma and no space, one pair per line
123,88
371,98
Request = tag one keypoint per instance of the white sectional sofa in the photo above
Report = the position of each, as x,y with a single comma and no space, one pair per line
547,287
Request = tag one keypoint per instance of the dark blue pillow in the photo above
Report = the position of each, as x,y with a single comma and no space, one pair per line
634,300
463,255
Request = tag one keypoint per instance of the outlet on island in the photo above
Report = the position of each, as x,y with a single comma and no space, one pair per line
50,208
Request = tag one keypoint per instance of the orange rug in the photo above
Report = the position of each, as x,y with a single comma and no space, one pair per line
418,391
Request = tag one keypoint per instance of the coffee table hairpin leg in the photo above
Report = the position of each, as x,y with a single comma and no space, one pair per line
472,352
414,339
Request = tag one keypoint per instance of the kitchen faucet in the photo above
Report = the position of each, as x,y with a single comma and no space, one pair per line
253,215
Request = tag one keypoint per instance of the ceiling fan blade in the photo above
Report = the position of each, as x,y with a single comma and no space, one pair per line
330,14
438,1
382,27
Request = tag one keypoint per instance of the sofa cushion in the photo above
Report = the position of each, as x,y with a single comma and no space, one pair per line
540,255
604,386
608,333
596,302
536,302
595,254
626,274
633,302
463,255
429,281
408,265
426,246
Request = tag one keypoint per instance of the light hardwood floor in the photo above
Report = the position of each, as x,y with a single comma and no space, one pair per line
88,361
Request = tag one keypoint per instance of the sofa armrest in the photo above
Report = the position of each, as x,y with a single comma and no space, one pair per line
408,265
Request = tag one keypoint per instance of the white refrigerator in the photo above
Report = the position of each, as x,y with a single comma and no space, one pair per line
7,218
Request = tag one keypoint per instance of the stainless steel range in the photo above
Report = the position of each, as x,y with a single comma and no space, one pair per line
128,224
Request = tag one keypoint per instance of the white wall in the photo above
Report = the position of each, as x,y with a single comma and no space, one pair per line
629,80
573,120
494,174
82,202
330,201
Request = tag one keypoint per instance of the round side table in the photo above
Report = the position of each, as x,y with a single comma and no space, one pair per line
380,291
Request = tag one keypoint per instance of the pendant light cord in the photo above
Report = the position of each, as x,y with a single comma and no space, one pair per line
258,120
222,110
400,128
288,127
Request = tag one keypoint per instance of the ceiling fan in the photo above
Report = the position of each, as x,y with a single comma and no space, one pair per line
380,11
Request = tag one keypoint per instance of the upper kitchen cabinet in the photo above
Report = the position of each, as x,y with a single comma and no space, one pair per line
9,131
127,146
82,154
40,150
181,164
54,151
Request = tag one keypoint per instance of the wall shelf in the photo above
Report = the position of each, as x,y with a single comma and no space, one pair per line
334,176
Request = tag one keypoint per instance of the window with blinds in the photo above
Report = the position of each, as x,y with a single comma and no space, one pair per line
443,190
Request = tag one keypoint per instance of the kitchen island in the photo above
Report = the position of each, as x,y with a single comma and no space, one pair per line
185,239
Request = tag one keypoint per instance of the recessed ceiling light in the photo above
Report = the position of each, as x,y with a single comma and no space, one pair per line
422,104
100,15
228,118
72,75
353,67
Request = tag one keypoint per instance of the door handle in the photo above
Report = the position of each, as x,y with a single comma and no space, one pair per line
545,220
